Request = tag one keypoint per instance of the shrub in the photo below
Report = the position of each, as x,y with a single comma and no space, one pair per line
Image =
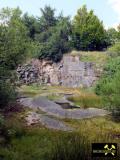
109,85
7,93
114,51
11,128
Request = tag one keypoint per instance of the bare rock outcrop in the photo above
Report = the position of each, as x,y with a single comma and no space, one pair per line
69,72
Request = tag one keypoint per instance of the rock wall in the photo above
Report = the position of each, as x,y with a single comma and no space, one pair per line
69,72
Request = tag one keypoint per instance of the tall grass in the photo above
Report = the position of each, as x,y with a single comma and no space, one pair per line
38,143
71,146
97,57
49,145
87,100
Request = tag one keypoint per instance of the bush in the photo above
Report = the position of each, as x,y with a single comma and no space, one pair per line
7,93
11,128
109,85
7,88
114,51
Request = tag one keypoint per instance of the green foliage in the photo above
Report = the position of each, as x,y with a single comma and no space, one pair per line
87,100
44,144
114,51
54,39
49,33
47,19
13,38
109,84
7,90
13,48
54,97
118,31
32,25
88,31
70,147
7,94
112,36
39,143
10,129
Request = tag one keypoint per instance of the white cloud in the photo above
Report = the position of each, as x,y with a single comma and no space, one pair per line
115,25
115,4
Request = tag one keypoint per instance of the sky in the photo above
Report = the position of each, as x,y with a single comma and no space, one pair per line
107,10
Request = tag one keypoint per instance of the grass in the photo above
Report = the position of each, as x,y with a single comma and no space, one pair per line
31,90
104,126
39,143
95,56
35,143
50,91
82,97
44,145
87,100
98,130
54,97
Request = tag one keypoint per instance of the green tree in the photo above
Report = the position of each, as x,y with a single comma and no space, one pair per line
13,48
13,38
53,36
31,24
88,31
113,36
47,19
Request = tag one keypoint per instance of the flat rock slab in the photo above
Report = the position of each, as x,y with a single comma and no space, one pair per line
45,105
65,104
52,108
63,101
48,122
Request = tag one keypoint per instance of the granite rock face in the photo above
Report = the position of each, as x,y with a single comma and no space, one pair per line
69,72
27,74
